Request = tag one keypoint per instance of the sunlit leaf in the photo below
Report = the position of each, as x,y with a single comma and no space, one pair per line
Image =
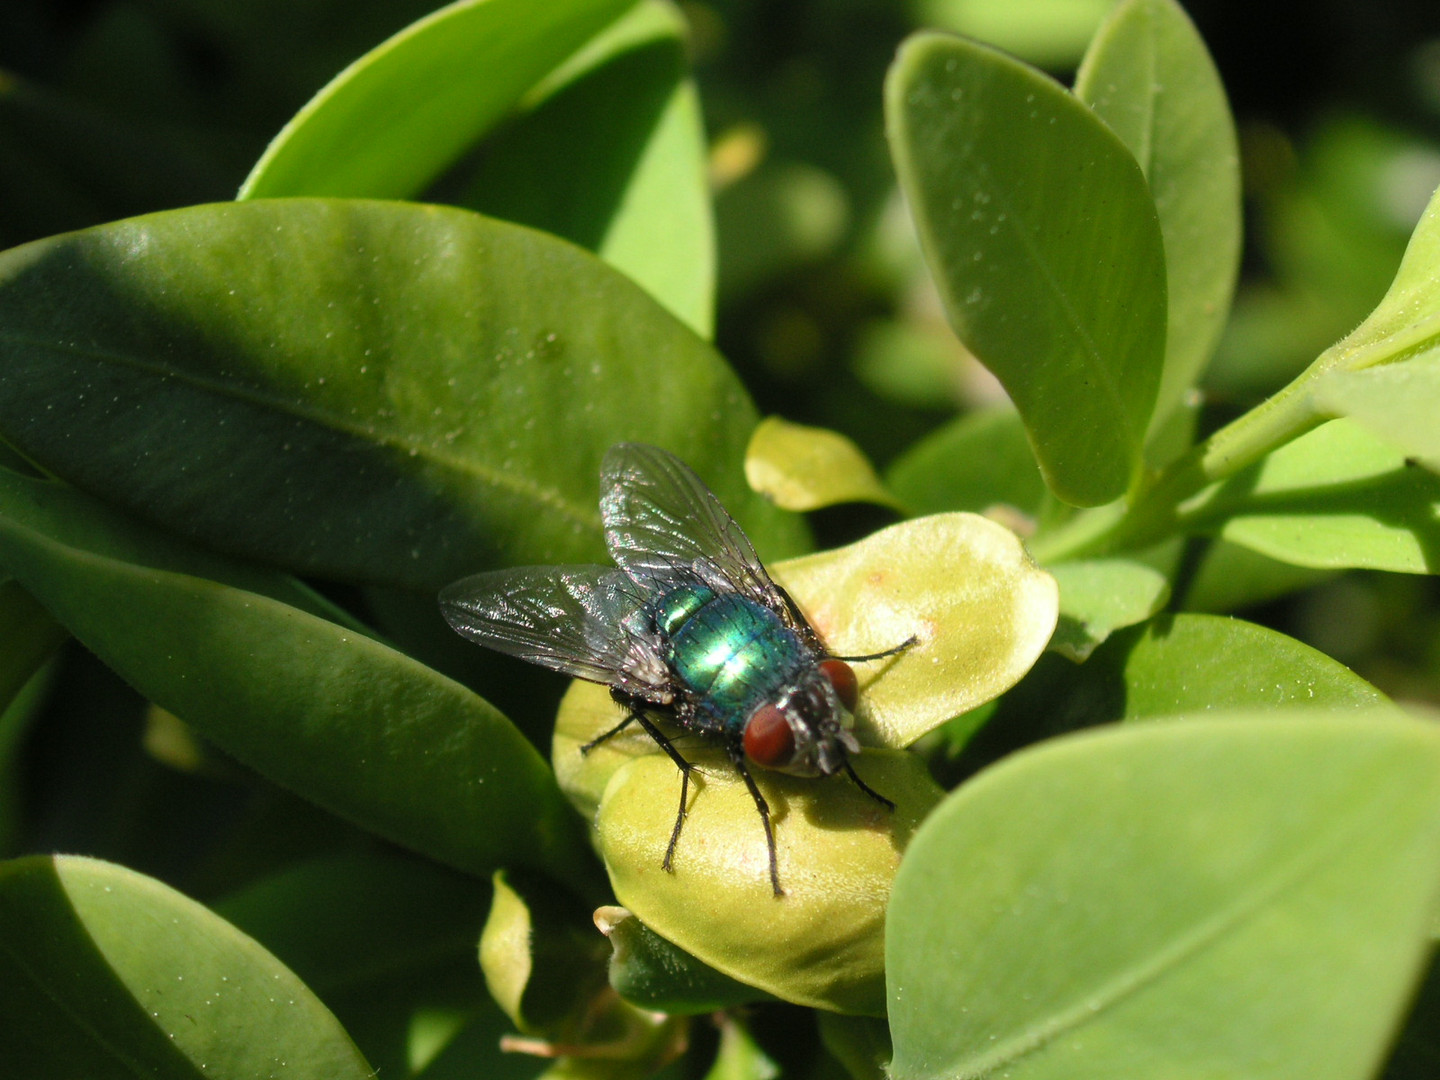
980,609
1149,77
609,152
1399,402
388,941
1042,236
1186,899
110,973
1337,497
387,124
805,468
387,392
819,944
1100,596
973,463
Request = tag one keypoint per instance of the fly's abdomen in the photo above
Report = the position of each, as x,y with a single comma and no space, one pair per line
733,655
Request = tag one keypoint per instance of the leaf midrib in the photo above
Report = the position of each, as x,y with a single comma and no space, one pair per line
410,448
1201,937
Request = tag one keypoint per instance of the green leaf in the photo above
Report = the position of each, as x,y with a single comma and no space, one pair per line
107,973
1231,577
1187,899
1334,498
1149,77
972,463
1398,402
981,609
389,943
1043,239
648,971
357,390
739,1056
544,961
1098,597
28,638
806,468
1150,671
1245,666
320,708
819,944
392,120
609,152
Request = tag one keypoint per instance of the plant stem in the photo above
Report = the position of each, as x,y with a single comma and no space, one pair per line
1158,510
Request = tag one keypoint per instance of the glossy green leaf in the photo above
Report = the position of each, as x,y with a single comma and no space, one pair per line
318,707
1150,671
648,971
805,468
960,583
609,152
1245,665
392,120
1098,597
388,942
358,390
1231,577
821,943
1398,402
1337,497
974,463
1186,899
107,973
543,959
1150,78
1043,239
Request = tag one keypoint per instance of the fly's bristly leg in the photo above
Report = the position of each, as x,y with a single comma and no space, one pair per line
913,639
629,719
867,789
684,767
738,757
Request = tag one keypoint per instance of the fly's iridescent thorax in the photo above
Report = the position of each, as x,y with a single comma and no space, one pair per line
729,652
752,676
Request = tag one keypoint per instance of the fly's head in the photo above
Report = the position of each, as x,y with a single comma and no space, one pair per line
807,731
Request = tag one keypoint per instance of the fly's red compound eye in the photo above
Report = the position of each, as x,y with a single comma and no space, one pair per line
842,678
768,738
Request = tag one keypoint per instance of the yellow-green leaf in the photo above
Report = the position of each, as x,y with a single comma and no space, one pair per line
804,468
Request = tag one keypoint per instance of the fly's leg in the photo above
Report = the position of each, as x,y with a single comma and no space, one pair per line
621,726
867,789
738,757
913,639
684,767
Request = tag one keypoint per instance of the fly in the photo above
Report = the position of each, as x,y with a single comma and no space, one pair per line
687,627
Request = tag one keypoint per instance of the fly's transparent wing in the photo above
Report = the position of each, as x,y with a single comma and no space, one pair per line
572,619
663,526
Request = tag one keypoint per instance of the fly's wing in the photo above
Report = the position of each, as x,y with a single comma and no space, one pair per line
663,526
573,619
